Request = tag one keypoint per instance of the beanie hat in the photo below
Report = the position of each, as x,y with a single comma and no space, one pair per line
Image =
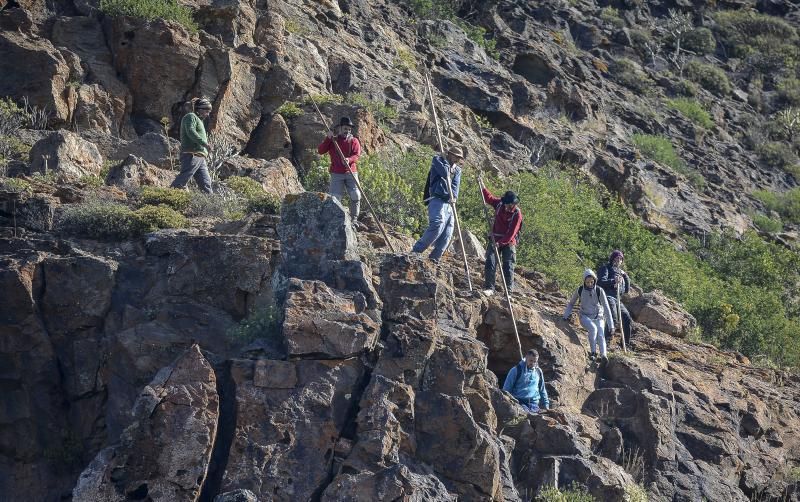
614,254
202,104
510,198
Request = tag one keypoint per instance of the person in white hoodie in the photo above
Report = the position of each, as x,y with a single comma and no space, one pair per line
594,313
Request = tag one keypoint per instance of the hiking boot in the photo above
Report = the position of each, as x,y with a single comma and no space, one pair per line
592,356
488,292
604,360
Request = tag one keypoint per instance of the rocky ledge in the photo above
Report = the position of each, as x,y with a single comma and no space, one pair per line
379,382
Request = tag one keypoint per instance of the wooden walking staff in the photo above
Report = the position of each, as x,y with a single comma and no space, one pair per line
449,187
500,265
358,184
619,316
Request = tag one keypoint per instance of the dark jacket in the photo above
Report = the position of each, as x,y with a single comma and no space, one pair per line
606,279
438,178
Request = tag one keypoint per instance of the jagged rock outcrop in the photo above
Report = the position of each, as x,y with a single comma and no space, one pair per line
66,155
164,454
134,173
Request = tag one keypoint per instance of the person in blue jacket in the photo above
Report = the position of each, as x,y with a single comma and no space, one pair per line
440,212
525,382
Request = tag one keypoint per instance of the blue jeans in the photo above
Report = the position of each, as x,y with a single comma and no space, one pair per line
530,406
440,229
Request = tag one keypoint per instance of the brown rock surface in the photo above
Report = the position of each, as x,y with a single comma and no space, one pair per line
68,156
656,311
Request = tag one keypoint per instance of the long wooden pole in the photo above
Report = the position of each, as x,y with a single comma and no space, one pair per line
619,317
493,243
355,178
449,187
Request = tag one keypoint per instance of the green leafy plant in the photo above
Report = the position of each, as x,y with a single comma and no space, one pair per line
169,10
100,220
779,155
709,77
382,112
91,181
610,15
692,110
767,224
152,218
658,148
635,493
405,59
626,72
786,204
700,41
263,323
575,493
289,110
768,43
16,185
175,198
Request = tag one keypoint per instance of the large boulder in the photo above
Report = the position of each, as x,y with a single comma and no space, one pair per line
315,233
148,52
285,437
165,453
67,155
278,177
134,172
660,313
271,139
153,148
32,67
324,323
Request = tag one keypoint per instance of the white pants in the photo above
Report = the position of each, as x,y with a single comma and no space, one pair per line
596,330
340,182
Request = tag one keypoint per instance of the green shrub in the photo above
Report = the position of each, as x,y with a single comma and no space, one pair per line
769,41
264,323
16,185
224,205
777,154
382,113
575,493
267,204
692,110
289,110
658,148
700,41
175,198
169,10
610,15
635,493
767,224
684,87
625,72
479,35
100,220
244,186
91,181
788,92
786,204
709,77
152,218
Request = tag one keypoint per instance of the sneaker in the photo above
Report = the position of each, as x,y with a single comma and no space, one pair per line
488,292
592,356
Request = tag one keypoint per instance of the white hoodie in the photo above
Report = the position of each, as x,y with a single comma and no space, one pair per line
594,303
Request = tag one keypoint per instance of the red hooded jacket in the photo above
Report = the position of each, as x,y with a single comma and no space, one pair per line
351,149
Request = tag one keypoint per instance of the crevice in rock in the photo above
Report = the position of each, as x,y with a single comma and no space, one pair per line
348,430
226,428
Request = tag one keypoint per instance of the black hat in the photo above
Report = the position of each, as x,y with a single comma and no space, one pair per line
202,104
345,121
510,198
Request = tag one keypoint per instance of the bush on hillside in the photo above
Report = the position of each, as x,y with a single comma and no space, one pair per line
575,493
692,110
263,323
176,198
709,77
169,10
660,149
770,39
788,92
701,41
767,224
255,198
626,72
100,220
777,154
786,204
152,218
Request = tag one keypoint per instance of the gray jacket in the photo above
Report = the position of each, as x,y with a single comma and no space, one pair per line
594,303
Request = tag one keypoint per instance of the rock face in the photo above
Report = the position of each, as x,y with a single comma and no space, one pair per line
174,428
658,312
66,155
278,177
134,172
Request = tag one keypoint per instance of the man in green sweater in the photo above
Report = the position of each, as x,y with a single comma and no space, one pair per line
195,147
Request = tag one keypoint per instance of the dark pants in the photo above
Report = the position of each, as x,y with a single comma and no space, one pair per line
508,254
192,165
626,319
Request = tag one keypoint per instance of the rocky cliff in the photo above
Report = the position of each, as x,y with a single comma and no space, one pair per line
283,357
379,383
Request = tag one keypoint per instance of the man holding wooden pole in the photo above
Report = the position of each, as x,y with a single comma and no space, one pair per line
440,203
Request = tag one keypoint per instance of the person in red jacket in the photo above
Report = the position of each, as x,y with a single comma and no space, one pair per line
507,222
341,177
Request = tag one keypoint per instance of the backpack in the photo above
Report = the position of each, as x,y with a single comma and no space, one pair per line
426,194
520,369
